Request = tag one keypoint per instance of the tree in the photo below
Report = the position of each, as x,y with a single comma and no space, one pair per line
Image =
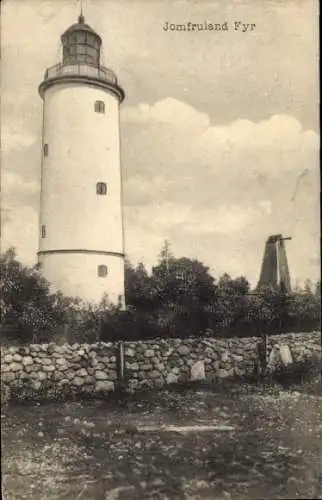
184,287
165,253
27,306
139,291
235,287
179,299
231,305
184,280
305,310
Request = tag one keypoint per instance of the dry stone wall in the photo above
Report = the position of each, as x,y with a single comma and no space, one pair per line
79,368
154,364
302,345
92,369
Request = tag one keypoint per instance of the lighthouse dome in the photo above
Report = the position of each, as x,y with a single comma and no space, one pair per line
81,44
80,26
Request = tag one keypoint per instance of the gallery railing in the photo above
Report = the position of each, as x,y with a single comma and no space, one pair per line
97,72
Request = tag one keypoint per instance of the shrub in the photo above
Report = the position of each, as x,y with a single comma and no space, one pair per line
299,373
29,312
5,394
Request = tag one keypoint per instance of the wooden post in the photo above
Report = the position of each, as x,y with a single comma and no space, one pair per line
120,363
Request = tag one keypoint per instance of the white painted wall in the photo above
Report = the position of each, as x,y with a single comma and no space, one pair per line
83,149
76,275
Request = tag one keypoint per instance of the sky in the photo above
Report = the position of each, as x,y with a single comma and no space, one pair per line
220,129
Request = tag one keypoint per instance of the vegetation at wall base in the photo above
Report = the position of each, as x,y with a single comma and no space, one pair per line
178,299
306,374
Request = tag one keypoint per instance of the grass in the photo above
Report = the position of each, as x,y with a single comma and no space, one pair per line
305,375
93,450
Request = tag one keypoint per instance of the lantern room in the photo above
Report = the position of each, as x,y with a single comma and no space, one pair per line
81,44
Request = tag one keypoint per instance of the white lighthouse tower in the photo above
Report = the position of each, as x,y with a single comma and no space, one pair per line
81,226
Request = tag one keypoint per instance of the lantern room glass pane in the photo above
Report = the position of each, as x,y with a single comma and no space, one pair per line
89,39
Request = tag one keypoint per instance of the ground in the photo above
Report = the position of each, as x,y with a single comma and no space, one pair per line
266,446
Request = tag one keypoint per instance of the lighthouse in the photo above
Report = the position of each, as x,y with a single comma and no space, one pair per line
81,243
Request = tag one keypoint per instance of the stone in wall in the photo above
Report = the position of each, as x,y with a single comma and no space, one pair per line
198,371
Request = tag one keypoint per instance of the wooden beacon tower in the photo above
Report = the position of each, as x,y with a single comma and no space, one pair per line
275,272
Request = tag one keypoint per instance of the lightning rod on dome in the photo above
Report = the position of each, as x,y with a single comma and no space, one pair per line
81,18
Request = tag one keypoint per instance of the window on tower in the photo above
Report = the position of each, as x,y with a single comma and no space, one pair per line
45,149
101,188
102,271
43,231
99,107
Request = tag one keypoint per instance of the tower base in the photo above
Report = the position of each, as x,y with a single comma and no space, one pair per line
79,274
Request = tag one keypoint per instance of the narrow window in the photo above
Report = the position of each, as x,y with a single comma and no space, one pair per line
101,188
102,271
99,107
43,231
120,301
45,149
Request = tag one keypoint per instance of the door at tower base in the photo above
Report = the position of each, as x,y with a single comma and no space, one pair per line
88,276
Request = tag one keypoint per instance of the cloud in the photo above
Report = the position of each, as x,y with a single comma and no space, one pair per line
13,139
168,111
140,191
177,132
226,219
20,231
13,185
278,132
19,215
161,217
218,188
266,205
198,160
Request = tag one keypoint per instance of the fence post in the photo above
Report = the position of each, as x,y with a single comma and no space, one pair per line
120,363
265,360
261,361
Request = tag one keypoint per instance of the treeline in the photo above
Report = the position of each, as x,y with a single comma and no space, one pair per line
179,298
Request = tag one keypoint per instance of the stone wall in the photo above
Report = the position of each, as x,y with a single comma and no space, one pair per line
80,368
92,369
157,363
302,345
150,363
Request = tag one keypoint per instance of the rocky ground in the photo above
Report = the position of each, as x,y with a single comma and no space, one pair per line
268,445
